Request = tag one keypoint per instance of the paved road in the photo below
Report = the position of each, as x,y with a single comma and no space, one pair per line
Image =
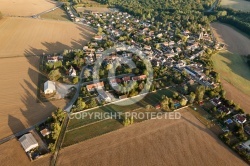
213,6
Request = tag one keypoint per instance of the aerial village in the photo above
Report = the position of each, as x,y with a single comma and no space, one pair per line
178,61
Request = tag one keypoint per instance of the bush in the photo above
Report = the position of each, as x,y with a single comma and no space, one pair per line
75,80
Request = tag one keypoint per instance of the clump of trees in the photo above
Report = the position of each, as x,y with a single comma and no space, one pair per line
128,120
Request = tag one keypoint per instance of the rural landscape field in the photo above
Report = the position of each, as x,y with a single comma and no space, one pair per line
234,71
35,37
153,142
124,82
236,4
25,7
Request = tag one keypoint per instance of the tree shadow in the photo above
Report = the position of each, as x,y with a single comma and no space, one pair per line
237,65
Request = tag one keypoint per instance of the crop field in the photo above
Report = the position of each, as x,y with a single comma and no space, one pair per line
27,36
58,14
25,7
182,141
85,128
19,106
234,71
236,4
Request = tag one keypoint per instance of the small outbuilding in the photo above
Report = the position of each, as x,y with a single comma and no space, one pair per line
28,142
49,87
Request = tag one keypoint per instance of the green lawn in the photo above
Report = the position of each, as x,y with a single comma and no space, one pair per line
233,69
91,131
236,4
85,128
57,14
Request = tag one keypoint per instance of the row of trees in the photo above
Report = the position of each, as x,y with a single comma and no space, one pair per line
57,119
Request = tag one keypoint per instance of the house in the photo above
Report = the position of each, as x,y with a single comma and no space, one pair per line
104,96
158,106
224,109
246,145
45,132
147,47
52,59
49,87
98,38
240,118
92,87
126,79
215,102
123,97
72,72
138,78
28,142
114,82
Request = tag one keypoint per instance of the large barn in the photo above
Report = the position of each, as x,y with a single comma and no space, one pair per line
49,87
28,142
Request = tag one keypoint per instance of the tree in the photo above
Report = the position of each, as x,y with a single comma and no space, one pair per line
80,104
200,91
54,75
192,97
92,103
86,73
75,80
183,102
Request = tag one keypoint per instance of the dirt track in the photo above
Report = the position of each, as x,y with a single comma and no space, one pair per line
153,142
25,7
27,36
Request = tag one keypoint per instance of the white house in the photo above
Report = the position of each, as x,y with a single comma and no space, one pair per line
49,87
28,142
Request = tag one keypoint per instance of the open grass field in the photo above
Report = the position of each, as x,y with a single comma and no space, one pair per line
85,128
183,141
12,153
93,9
58,14
25,7
236,4
233,70
27,36
19,107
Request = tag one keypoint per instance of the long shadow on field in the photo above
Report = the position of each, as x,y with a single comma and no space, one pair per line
15,124
237,65
208,132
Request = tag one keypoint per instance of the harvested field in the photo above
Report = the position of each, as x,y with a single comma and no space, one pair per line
154,142
236,4
235,42
26,36
25,7
15,155
19,107
93,9
58,14
235,73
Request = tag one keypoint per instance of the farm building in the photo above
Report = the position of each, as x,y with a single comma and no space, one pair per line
28,142
49,87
